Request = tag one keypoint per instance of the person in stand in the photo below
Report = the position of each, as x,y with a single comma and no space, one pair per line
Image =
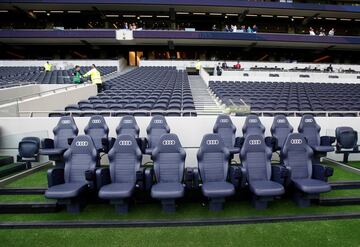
95,77
311,31
213,28
218,70
249,30
332,32
255,29
77,76
47,66
224,65
198,66
227,28
237,65
330,69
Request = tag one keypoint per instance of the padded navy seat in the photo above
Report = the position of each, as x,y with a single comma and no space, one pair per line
253,126
98,130
346,142
307,178
69,184
280,129
169,164
213,160
157,127
256,159
118,182
226,129
128,125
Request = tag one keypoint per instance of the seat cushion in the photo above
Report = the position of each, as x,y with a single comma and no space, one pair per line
311,186
116,190
323,148
217,189
266,188
53,151
67,190
167,190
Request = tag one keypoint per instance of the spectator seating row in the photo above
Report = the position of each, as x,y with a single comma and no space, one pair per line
285,96
80,174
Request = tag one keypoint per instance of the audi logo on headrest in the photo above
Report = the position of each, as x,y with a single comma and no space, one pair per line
253,120
82,143
212,142
281,121
254,142
128,121
96,121
158,121
296,141
168,142
125,143
309,120
65,121
224,120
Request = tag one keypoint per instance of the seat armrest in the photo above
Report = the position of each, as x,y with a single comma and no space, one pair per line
243,181
149,178
287,179
102,177
47,143
279,174
271,142
327,140
90,176
140,178
196,176
142,143
234,175
322,172
239,141
189,177
55,176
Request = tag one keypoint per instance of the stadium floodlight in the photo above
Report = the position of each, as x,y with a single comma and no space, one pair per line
182,13
251,15
4,11
199,13
215,14
283,16
39,11
129,16
162,16
112,16
268,16
232,14
298,17
345,19
74,11
330,19
145,16
56,11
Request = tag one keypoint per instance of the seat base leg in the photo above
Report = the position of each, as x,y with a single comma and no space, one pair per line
121,206
216,204
301,200
168,205
260,203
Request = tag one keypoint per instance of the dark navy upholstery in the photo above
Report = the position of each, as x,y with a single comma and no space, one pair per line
157,127
98,130
252,126
213,160
346,141
128,125
280,129
227,130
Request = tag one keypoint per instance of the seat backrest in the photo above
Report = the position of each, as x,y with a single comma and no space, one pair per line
346,138
29,147
253,125
97,129
157,127
213,159
64,130
297,154
256,158
280,129
169,159
310,129
125,159
80,157
226,129
128,125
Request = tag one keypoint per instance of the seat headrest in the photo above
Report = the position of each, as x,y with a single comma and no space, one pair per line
158,122
125,143
252,121
169,143
82,144
212,143
344,129
128,122
97,122
66,122
281,121
295,141
223,121
308,121
254,143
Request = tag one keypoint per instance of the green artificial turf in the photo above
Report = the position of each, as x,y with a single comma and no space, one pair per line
340,174
355,164
314,233
37,179
22,198
342,193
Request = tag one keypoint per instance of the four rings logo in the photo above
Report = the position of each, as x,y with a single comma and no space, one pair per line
212,142
295,141
309,120
224,120
81,144
281,121
65,121
168,142
128,121
158,121
96,121
125,143
255,142
253,120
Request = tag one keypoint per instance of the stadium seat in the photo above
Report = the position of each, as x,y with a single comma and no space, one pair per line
346,142
227,130
311,131
308,179
98,130
29,148
213,161
252,126
169,165
69,185
118,181
64,132
256,158
157,127
280,129
128,125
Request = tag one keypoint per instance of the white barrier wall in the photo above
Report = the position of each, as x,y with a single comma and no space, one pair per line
189,129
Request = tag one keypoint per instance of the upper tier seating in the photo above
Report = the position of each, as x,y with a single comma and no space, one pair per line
286,96
162,90
11,75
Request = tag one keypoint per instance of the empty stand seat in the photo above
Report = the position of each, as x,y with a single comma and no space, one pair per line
157,127
253,126
346,142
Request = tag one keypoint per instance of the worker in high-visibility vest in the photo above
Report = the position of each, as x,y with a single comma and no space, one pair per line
95,77
47,66
198,66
